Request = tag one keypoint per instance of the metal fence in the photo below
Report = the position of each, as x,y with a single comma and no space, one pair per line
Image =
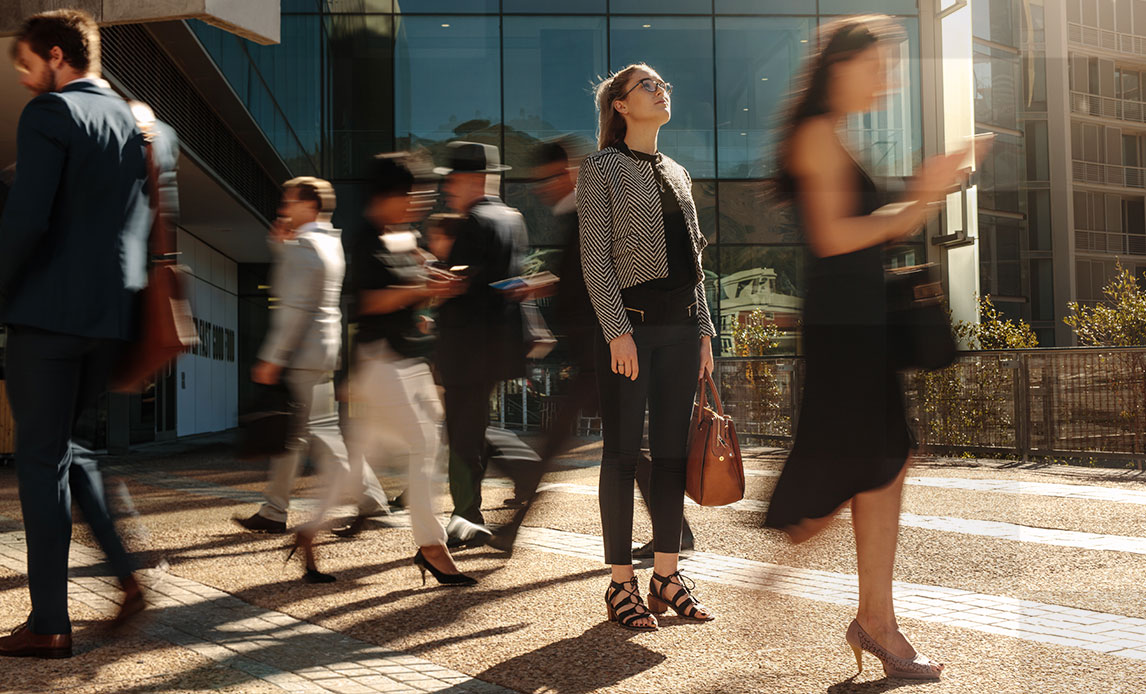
1077,402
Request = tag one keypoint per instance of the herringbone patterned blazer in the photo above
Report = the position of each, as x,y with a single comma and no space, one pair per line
623,233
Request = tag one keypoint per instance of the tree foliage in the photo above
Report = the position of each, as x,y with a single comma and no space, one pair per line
1119,321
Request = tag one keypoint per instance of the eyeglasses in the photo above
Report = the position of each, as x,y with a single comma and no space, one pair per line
650,85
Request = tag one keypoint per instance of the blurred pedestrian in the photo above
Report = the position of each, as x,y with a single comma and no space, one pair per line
641,251
364,486
481,332
302,349
852,442
73,256
391,374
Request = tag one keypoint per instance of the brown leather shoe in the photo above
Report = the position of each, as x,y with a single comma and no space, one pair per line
22,643
133,604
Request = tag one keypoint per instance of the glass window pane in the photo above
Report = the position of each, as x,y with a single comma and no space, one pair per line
756,60
300,6
550,62
291,112
680,49
660,6
996,81
454,6
765,7
358,6
361,90
446,81
862,6
704,197
889,138
1000,175
553,6
538,218
768,279
748,216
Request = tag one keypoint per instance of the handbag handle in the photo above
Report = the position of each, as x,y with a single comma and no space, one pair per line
703,384
160,239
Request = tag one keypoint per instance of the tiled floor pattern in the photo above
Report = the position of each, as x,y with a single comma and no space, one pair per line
1066,491
995,614
1095,631
996,529
292,654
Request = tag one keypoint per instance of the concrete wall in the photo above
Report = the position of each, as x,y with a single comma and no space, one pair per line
257,20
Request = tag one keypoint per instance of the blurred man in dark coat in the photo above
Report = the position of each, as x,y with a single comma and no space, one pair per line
73,250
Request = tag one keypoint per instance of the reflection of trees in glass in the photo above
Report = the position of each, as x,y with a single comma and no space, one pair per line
766,289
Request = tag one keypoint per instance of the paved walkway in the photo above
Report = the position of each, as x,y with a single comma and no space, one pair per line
1105,633
294,655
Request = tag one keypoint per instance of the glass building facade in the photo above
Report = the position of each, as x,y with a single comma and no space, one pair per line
355,77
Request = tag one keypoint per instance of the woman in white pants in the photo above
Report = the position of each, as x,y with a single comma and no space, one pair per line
391,377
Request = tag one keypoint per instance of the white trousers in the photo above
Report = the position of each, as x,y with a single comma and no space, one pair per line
321,436
403,412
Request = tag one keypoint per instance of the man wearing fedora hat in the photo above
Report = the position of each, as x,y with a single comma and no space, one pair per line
481,340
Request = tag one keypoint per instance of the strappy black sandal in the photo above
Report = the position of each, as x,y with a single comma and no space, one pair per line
684,604
628,611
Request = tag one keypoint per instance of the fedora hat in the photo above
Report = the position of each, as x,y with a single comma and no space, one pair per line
471,157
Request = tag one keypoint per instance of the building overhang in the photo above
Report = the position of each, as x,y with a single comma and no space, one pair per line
256,20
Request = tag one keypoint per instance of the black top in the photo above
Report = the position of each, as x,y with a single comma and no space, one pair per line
852,434
376,266
677,244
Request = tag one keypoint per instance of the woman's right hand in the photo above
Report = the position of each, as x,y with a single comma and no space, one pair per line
623,356
937,176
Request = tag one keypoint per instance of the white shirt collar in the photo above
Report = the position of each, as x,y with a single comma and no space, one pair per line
567,204
322,227
91,80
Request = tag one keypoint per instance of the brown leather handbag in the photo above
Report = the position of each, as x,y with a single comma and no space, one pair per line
166,327
715,473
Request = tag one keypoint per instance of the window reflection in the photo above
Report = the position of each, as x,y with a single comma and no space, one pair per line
749,215
764,279
458,6
756,60
764,7
554,6
446,81
361,73
889,138
551,64
680,49
660,6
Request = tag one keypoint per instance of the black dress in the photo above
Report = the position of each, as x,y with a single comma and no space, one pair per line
852,433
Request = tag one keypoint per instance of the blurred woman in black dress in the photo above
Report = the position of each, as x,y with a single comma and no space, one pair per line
852,441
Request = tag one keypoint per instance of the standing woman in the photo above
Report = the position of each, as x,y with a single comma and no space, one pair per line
641,253
852,441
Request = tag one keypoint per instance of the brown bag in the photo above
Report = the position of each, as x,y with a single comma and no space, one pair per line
715,474
166,327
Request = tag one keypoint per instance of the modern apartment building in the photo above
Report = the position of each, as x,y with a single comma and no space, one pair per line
1062,197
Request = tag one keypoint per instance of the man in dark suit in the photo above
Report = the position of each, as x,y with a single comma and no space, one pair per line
481,336
73,248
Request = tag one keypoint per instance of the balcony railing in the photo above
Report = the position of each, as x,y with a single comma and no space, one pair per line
1109,174
1106,107
1107,40
1112,242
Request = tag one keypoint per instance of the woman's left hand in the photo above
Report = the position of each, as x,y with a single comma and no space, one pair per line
706,362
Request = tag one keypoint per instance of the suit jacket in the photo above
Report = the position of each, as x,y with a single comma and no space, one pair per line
623,233
306,323
73,237
480,334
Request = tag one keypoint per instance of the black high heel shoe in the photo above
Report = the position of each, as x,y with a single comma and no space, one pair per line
442,577
312,575
684,603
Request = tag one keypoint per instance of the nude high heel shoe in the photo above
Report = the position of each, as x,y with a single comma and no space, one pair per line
918,668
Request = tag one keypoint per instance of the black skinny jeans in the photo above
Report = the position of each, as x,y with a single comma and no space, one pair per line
667,337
